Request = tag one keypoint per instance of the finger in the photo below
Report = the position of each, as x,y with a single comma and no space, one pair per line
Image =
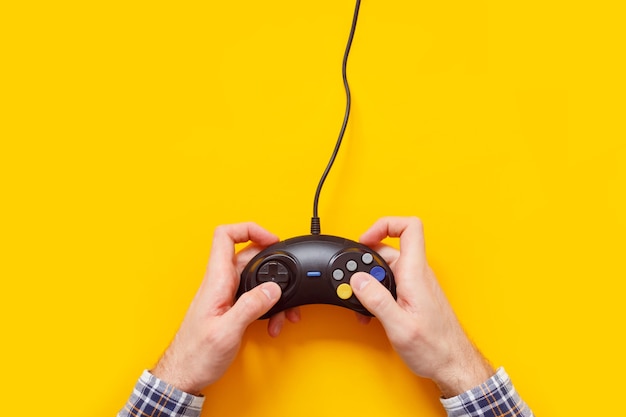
411,262
408,229
293,314
225,238
277,321
362,319
246,254
275,324
375,298
388,253
252,305
224,269
412,257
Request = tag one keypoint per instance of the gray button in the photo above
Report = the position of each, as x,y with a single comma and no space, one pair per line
338,274
351,266
367,258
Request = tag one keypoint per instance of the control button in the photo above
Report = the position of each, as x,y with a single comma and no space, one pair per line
338,274
351,266
367,258
313,274
273,271
344,291
378,272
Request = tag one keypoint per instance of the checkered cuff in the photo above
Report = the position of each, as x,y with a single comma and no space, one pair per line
153,397
495,398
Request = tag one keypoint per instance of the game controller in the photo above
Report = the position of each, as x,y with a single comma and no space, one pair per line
315,269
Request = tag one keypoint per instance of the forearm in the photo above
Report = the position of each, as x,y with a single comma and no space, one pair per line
153,397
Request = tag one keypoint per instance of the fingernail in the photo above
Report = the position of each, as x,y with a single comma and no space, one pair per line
276,328
267,293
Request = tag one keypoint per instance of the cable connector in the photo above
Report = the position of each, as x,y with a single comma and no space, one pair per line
316,229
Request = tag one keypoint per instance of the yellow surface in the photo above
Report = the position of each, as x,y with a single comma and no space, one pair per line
130,130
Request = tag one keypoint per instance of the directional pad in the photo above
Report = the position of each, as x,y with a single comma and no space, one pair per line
273,271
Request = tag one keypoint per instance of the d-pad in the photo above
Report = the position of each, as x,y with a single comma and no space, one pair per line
275,272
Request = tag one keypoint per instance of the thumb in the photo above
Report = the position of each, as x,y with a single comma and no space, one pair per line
253,304
376,298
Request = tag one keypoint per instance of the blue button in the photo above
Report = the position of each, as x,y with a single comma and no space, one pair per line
378,272
314,274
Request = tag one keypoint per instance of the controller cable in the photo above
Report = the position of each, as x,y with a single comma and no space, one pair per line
315,220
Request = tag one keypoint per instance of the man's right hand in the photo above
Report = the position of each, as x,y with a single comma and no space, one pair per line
421,324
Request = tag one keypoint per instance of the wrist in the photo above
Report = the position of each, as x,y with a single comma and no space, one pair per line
467,370
169,371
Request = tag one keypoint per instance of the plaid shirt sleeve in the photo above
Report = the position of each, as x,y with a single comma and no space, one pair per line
155,398
495,398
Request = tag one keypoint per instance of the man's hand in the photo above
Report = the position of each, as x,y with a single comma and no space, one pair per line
210,335
421,325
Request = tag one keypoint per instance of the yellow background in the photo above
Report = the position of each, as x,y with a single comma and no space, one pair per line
130,130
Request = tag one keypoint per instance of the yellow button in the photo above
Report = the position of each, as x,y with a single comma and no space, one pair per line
344,291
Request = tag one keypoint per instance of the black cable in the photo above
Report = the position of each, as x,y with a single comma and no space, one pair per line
315,220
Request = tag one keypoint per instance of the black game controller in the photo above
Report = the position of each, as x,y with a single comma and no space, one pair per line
315,269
